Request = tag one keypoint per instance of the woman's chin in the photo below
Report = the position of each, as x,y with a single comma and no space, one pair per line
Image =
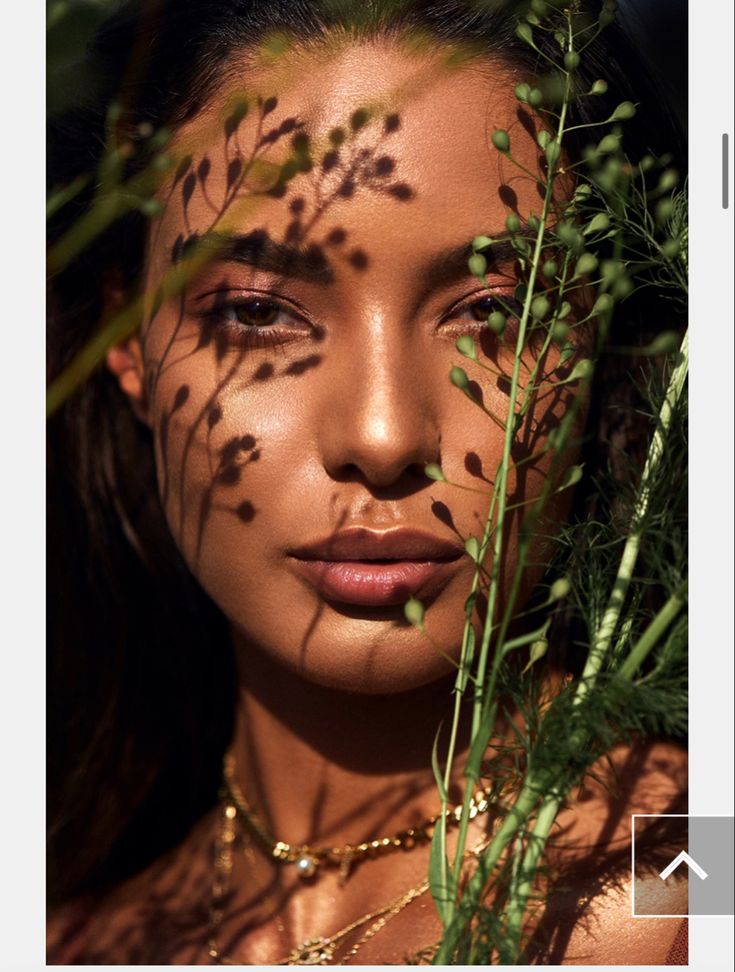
363,655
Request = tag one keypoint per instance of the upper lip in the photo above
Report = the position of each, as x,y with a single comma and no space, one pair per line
363,543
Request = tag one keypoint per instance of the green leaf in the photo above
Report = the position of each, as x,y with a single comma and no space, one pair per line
526,639
477,265
464,671
472,546
466,346
151,207
552,152
571,477
458,377
559,589
670,249
569,235
667,342
525,33
603,304
497,322
479,743
610,143
512,222
664,210
482,242
565,309
606,18
414,611
439,874
669,178
598,223
537,652
582,370
434,471
535,97
540,307
586,264
624,111
438,863
438,775
560,331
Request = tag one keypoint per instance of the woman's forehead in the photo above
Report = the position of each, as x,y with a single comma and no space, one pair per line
390,136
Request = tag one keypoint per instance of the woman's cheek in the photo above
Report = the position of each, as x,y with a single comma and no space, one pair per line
205,450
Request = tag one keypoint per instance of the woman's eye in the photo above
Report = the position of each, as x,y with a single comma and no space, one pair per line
255,312
254,321
482,308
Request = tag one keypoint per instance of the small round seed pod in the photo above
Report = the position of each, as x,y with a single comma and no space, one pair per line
497,322
477,265
512,223
624,111
500,140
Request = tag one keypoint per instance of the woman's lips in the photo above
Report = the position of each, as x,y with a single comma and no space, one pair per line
377,569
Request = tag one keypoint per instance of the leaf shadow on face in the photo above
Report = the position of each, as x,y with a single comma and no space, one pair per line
309,181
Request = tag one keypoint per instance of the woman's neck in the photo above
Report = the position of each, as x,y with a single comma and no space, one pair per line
327,766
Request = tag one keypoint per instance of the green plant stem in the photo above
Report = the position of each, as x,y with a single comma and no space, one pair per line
604,633
519,894
651,636
483,692
64,195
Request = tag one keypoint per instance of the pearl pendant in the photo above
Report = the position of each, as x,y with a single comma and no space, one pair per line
306,865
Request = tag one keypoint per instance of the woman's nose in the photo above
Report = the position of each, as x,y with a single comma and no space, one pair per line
379,422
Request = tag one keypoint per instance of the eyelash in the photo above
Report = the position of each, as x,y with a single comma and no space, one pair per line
223,316
503,302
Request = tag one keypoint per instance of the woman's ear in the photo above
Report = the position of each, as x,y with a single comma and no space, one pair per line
125,360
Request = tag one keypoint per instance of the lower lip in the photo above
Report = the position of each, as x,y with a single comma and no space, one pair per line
376,584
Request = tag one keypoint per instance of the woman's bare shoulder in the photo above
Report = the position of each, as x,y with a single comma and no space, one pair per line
588,919
158,916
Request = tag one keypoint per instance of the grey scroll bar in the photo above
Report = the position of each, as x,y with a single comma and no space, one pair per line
725,170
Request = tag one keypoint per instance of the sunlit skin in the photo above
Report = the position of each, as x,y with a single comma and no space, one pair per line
345,397
322,420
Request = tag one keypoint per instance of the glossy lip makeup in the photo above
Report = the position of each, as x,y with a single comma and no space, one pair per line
361,566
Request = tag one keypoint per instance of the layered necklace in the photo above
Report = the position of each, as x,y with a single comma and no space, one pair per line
308,861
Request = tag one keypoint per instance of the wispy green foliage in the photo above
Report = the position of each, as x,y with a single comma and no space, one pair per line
624,229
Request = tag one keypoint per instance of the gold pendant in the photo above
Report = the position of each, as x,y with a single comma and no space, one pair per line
314,951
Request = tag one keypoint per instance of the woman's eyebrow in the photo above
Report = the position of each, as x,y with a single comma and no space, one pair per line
452,264
258,249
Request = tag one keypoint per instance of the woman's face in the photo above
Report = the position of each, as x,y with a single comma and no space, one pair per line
301,383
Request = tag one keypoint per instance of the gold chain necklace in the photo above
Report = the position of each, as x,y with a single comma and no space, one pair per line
313,951
308,859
